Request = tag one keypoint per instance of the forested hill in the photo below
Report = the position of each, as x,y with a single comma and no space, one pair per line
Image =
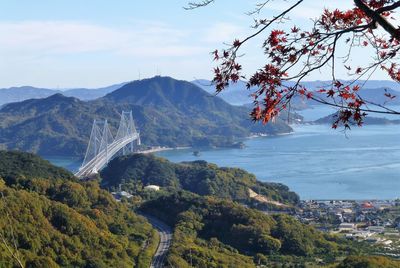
200,177
168,112
56,221
188,108
368,120
50,219
210,232
16,164
169,93
56,125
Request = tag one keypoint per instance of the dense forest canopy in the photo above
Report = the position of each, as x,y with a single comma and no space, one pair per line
49,219
138,170
211,232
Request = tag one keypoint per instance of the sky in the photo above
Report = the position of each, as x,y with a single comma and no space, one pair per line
94,43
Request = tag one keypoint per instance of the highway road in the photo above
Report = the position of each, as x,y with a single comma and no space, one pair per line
165,241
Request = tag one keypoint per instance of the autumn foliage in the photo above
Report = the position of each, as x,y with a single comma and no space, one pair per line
294,54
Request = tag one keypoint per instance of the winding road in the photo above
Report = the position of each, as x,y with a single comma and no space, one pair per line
165,241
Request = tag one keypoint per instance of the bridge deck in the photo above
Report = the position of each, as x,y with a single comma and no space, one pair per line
102,158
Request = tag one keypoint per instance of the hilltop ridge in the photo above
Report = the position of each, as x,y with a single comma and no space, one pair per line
168,112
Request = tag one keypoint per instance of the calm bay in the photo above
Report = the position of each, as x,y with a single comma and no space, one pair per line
315,161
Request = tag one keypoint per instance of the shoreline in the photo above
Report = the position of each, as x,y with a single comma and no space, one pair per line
260,135
350,200
161,149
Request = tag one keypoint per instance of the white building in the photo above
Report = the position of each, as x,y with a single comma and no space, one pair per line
347,227
120,194
376,229
152,187
362,234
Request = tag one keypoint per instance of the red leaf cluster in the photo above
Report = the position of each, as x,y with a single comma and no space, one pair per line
294,54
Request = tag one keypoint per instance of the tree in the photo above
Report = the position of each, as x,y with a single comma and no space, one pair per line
8,230
294,54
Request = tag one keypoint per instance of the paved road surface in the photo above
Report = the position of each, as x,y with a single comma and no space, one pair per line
165,241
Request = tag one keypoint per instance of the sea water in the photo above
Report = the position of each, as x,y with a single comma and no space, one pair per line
318,162
315,161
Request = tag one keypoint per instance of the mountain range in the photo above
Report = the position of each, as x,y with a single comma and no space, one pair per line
235,94
17,94
168,112
238,94
368,120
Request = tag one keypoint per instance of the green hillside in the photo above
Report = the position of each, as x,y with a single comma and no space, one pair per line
214,233
56,125
50,219
200,177
369,262
55,221
168,112
15,164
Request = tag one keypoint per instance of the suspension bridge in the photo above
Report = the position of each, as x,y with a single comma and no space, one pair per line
103,146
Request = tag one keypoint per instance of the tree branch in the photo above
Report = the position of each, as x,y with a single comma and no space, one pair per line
194,5
388,8
376,16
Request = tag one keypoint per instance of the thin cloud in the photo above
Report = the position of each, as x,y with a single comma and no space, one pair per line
223,32
68,37
307,10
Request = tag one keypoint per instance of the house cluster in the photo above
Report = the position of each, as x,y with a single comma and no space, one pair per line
375,221
378,235
373,214
336,211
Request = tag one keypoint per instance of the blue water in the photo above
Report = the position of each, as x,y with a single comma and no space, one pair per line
318,162
70,163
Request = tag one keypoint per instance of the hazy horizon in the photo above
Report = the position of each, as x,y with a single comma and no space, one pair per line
190,80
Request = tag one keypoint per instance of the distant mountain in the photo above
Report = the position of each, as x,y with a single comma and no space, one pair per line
91,94
369,120
168,112
388,84
17,94
375,95
187,114
56,124
318,84
238,94
235,94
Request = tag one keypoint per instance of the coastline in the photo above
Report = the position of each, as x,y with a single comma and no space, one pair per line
258,135
160,149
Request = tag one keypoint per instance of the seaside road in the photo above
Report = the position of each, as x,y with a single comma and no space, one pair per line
165,241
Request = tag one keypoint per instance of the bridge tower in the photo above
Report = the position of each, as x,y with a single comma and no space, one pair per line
103,146
100,139
126,128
